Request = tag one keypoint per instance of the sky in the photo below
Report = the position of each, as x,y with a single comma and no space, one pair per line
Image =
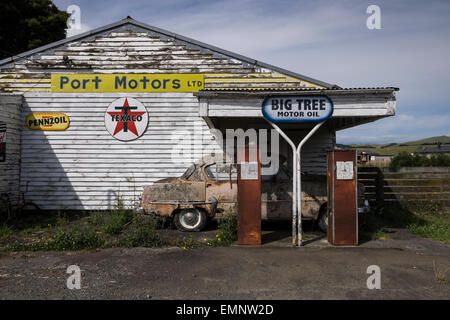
326,40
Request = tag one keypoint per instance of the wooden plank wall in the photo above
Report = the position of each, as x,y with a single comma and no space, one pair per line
10,106
419,185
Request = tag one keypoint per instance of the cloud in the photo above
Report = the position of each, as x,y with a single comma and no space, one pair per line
402,128
74,31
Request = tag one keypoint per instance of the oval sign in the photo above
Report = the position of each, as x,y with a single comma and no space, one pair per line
47,121
297,108
126,119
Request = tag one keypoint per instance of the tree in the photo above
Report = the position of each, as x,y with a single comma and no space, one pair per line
28,24
404,159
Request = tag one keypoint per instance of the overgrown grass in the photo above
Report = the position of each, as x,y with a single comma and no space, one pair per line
5,231
424,219
189,243
111,222
62,240
435,226
102,229
44,231
143,234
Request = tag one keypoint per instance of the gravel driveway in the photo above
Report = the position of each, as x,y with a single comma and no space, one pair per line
317,271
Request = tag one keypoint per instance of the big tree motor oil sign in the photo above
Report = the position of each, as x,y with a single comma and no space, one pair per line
297,108
126,119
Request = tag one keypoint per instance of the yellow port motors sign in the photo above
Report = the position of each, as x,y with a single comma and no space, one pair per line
47,121
127,82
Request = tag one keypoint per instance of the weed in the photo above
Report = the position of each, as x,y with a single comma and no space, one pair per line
439,274
189,243
116,221
432,225
111,222
227,231
144,234
74,239
380,235
28,231
97,218
61,220
5,231
423,219
120,203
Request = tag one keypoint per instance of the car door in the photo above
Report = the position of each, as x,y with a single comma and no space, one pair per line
222,184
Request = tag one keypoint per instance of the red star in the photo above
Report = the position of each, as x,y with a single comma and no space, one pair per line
125,122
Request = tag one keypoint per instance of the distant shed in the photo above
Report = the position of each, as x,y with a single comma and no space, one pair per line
439,149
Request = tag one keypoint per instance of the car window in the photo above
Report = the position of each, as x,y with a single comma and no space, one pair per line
283,174
221,172
189,171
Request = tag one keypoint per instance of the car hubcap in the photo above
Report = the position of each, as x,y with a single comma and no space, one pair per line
190,219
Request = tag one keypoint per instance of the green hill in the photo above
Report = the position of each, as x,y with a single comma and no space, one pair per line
429,141
394,148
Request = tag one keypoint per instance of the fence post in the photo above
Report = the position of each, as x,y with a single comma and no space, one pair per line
379,188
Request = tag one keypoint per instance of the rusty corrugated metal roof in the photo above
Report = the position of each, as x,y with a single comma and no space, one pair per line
300,89
214,92
175,37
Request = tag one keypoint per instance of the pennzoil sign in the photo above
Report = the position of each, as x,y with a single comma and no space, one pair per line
47,121
126,119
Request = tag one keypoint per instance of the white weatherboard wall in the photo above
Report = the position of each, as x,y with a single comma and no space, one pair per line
84,167
9,170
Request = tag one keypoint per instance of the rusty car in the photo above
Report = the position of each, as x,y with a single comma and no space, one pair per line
208,189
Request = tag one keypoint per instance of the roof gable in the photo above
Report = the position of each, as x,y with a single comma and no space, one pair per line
128,34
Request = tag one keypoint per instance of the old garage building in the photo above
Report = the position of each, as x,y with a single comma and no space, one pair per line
83,165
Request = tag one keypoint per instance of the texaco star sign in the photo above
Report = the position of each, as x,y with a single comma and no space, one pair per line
126,119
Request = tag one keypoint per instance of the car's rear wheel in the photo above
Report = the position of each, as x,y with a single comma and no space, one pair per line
322,220
190,220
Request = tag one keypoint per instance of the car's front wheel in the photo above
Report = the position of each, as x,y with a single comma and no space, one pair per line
190,220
